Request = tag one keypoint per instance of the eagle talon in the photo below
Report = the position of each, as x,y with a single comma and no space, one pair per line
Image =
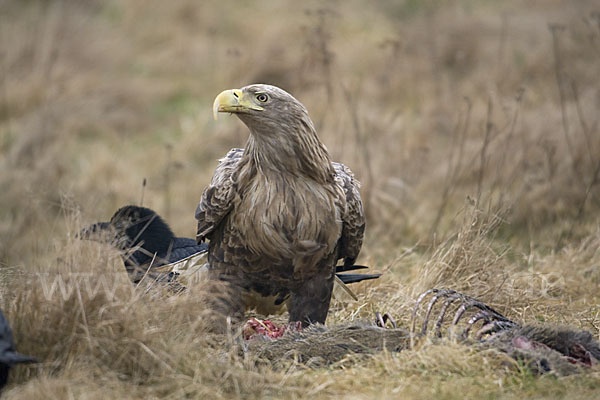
295,326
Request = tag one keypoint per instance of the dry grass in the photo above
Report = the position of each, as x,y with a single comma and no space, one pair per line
473,126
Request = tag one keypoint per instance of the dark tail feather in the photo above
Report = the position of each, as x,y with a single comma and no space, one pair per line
344,268
353,278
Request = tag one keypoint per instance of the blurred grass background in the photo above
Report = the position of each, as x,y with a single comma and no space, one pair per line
472,125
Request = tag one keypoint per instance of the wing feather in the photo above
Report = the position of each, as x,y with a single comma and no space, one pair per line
217,199
353,218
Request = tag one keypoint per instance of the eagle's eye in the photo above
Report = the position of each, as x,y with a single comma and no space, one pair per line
262,97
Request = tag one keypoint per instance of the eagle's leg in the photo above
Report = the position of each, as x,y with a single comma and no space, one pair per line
310,303
225,301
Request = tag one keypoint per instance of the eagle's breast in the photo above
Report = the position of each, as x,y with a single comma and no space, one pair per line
291,222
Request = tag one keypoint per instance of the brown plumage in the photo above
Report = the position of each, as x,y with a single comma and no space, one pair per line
279,214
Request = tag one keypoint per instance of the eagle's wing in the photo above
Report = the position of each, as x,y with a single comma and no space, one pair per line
217,198
353,217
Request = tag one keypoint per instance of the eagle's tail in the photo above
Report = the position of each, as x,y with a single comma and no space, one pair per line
354,267
353,278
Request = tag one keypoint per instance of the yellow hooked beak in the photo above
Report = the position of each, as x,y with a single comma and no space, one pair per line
233,101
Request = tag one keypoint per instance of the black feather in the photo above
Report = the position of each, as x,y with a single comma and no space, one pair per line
8,355
143,230
353,278
353,267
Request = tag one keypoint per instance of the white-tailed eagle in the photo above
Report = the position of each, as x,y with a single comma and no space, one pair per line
279,214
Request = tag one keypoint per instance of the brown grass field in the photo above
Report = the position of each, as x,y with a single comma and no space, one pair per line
473,126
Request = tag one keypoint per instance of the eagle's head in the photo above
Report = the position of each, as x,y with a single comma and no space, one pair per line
265,109
259,102
283,136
